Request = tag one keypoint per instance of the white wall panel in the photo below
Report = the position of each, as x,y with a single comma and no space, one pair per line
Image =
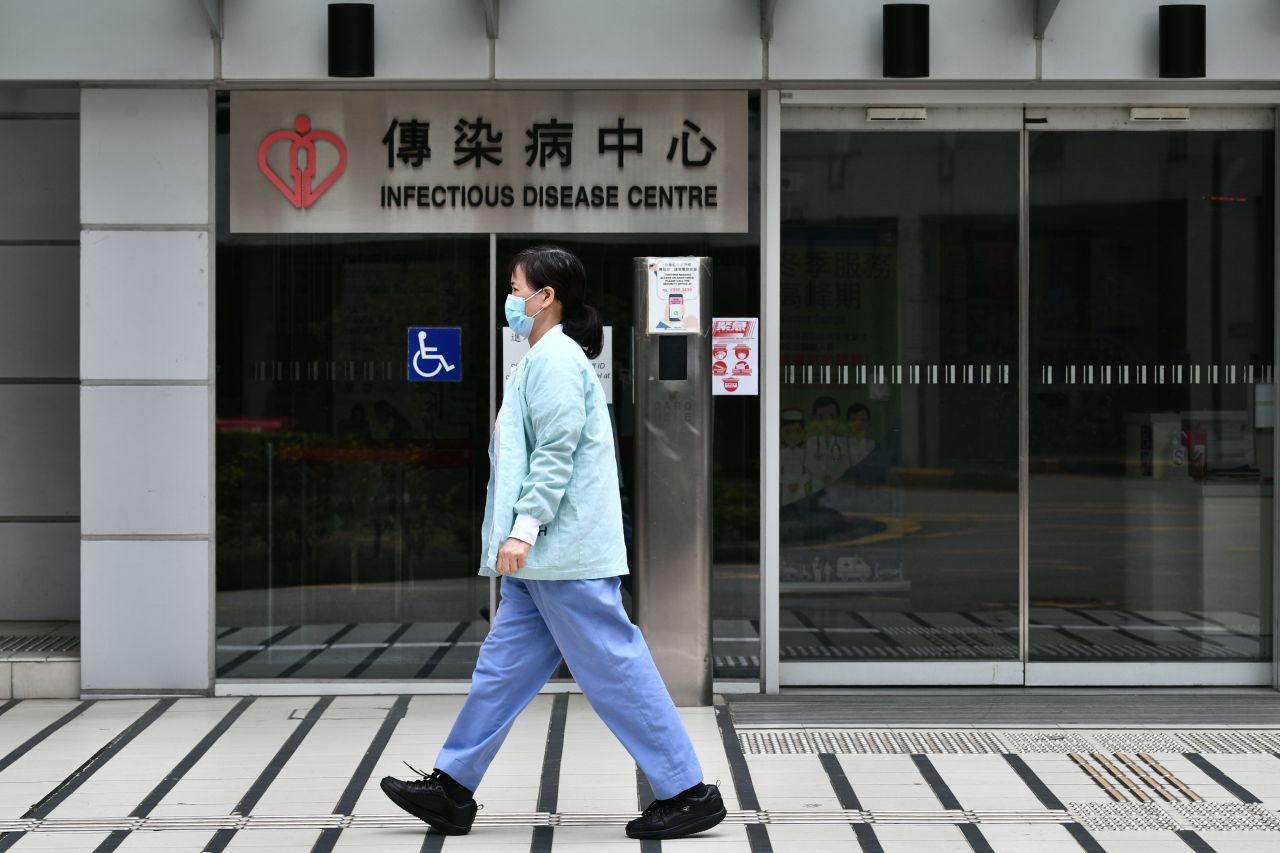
1106,40
145,467
144,305
101,40
144,156
39,311
146,623
843,40
38,460
626,40
412,39
40,571
39,179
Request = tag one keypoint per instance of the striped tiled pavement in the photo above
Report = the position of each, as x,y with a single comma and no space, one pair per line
417,650
301,774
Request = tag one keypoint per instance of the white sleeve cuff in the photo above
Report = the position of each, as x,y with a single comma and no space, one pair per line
526,528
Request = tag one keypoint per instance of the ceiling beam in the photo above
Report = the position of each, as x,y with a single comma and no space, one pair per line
490,17
766,18
1044,11
213,11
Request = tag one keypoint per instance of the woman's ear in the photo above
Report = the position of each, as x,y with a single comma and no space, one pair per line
551,290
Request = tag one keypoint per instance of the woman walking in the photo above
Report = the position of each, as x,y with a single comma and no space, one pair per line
553,532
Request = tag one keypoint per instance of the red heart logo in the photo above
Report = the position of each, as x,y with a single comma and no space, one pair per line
302,146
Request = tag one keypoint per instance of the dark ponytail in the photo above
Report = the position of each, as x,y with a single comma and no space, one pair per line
552,266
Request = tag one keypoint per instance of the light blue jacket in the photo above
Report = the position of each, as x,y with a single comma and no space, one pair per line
551,457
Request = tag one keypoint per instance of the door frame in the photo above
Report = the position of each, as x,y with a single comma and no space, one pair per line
977,110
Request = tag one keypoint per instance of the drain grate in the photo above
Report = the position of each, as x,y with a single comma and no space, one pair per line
859,742
1240,817
1240,742
10,643
740,661
1122,817
769,741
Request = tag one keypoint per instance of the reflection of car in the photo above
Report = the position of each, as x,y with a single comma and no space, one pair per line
719,369
852,569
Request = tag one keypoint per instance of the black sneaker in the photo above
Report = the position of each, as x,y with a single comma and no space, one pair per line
679,816
426,800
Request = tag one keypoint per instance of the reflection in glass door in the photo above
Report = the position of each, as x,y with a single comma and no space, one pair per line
1152,403
899,401
1143,348
347,497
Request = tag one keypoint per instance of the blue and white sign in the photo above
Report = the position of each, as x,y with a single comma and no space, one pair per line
435,354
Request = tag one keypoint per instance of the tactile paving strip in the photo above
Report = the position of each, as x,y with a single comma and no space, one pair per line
1098,816
1122,816
1053,741
212,823
1227,816
1239,742
1138,742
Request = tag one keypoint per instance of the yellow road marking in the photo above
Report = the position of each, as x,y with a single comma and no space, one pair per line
895,528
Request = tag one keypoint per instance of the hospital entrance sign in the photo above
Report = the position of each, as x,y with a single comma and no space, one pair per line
476,162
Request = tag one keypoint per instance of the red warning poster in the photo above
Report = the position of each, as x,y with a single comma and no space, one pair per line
735,363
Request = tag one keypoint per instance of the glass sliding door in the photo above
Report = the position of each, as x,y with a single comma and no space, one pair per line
1152,397
898,462
1105,389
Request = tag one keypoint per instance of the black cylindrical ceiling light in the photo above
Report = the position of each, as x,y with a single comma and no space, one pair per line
906,39
1182,40
350,39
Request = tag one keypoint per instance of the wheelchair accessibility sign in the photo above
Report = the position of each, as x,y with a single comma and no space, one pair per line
435,354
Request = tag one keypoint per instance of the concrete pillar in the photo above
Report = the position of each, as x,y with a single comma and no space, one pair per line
146,391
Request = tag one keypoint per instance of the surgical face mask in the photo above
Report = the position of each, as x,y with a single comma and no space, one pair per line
520,322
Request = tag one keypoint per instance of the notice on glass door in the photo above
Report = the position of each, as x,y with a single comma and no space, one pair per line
674,286
735,350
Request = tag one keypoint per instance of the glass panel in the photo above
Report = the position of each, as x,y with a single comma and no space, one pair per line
899,519
1153,396
735,448
349,500
348,531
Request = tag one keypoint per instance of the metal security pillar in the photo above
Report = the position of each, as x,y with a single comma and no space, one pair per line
673,470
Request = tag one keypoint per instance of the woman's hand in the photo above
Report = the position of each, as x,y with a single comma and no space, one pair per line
511,556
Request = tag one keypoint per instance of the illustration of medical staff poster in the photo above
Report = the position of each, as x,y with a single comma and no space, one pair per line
840,303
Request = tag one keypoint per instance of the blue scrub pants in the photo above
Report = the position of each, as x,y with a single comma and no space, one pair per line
583,620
